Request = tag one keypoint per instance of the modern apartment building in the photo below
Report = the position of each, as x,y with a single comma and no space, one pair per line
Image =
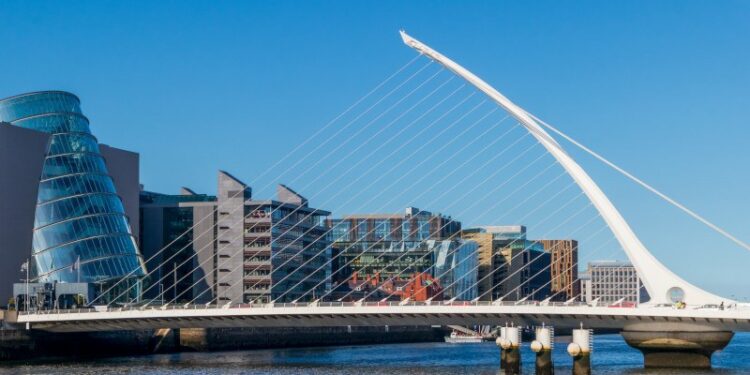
285,247
67,202
564,268
612,282
238,249
510,266
372,249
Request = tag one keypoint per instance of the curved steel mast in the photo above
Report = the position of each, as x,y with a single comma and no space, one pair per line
658,280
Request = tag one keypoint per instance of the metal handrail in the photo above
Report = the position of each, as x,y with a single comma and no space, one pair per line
348,305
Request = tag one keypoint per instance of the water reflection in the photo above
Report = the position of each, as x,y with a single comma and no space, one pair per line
611,356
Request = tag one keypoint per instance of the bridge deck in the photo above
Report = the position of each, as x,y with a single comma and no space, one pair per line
375,314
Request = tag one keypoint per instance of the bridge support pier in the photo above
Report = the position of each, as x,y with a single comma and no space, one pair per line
542,346
580,350
510,350
677,349
164,340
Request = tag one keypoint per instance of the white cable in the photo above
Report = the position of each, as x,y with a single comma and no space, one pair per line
318,160
479,200
648,187
414,152
358,148
508,196
311,183
361,176
378,163
575,264
550,264
491,176
545,219
511,243
386,173
528,214
532,243
518,205
326,126
445,176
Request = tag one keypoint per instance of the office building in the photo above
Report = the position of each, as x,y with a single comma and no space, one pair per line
417,271
455,268
488,255
177,245
510,266
238,249
372,249
67,201
564,268
613,282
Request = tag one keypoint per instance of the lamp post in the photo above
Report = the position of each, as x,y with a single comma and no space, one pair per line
174,282
27,284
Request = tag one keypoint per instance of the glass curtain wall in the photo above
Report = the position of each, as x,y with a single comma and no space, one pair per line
81,232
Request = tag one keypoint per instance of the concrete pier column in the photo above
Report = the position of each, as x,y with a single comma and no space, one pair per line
510,350
580,350
677,349
542,346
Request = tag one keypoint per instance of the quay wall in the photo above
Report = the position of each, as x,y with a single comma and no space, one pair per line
32,345
262,338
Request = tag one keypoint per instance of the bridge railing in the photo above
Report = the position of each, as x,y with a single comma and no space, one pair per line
354,304
296,305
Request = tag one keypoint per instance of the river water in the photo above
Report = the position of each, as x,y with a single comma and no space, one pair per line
611,356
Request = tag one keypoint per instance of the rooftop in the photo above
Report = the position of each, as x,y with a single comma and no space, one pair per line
40,92
610,263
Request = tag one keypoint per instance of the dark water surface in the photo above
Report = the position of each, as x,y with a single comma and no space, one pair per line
611,356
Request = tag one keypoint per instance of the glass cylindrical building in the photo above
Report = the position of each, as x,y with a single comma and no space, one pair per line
81,232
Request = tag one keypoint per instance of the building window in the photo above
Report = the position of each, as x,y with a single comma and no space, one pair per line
341,231
405,230
424,230
382,230
362,230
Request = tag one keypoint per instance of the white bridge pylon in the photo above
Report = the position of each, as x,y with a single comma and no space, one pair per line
661,283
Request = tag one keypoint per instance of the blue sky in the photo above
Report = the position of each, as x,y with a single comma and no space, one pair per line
659,87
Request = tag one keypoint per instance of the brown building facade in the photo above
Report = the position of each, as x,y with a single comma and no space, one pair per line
510,266
564,268
486,257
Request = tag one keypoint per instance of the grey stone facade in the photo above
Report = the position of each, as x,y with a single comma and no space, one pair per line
240,250
230,221
22,153
178,243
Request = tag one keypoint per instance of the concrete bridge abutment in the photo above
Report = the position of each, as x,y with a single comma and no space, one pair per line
677,349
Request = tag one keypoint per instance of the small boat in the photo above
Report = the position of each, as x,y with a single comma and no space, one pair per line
457,338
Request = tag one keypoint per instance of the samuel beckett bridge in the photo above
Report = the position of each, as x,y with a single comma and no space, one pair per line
680,322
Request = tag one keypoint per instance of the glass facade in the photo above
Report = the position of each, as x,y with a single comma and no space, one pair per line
167,242
455,266
79,217
341,230
384,250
